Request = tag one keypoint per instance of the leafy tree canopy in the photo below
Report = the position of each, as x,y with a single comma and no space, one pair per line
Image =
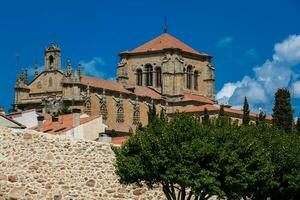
196,161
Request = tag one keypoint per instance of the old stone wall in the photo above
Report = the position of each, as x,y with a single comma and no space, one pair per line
40,166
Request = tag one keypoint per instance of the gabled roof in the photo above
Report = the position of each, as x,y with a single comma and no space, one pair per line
9,122
165,41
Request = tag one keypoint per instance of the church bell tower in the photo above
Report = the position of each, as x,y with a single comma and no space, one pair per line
52,58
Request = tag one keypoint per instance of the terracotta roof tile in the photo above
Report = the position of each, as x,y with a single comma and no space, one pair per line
119,140
118,87
199,98
165,41
193,109
65,123
215,109
146,92
101,83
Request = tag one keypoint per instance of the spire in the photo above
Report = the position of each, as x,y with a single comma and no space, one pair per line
69,67
26,76
79,68
36,70
166,25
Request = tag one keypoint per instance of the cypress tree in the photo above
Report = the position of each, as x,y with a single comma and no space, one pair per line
246,112
151,113
298,124
221,111
261,117
205,118
282,110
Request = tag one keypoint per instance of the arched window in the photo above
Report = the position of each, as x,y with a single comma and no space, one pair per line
149,75
51,60
139,77
50,82
158,77
196,80
189,75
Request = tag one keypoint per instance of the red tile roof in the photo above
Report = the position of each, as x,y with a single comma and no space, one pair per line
215,109
209,107
146,92
165,41
199,98
119,140
65,123
118,87
101,83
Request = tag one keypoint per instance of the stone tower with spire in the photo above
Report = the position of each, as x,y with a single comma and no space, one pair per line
52,58
168,66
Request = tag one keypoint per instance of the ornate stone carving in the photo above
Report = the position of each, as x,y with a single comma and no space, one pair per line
179,58
86,96
211,66
210,69
52,104
120,109
103,106
123,62
166,58
136,111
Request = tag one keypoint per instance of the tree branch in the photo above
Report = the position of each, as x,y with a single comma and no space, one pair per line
166,192
190,195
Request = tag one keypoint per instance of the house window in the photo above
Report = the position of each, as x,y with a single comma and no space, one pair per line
149,75
139,77
158,77
189,75
196,73
51,61
120,110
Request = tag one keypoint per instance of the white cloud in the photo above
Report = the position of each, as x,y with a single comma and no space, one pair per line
90,67
288,50
225,41
273,74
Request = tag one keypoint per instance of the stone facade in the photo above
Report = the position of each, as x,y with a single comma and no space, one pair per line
40,166
161,71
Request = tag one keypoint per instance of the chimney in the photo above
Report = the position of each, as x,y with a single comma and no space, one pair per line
2,110
40,119
54,119
76,117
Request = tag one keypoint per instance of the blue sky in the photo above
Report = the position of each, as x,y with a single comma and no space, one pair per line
241,35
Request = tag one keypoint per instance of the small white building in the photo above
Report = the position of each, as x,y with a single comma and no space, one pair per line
9,123
28,117
72,125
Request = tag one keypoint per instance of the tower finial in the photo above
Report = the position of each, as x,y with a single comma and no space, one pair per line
166,25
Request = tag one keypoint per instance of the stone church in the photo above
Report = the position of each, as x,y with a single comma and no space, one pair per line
164,71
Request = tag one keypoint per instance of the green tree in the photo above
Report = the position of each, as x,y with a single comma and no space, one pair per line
297,125
282,110
151,113
260,118
205,118
191,160
246,112
221,111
